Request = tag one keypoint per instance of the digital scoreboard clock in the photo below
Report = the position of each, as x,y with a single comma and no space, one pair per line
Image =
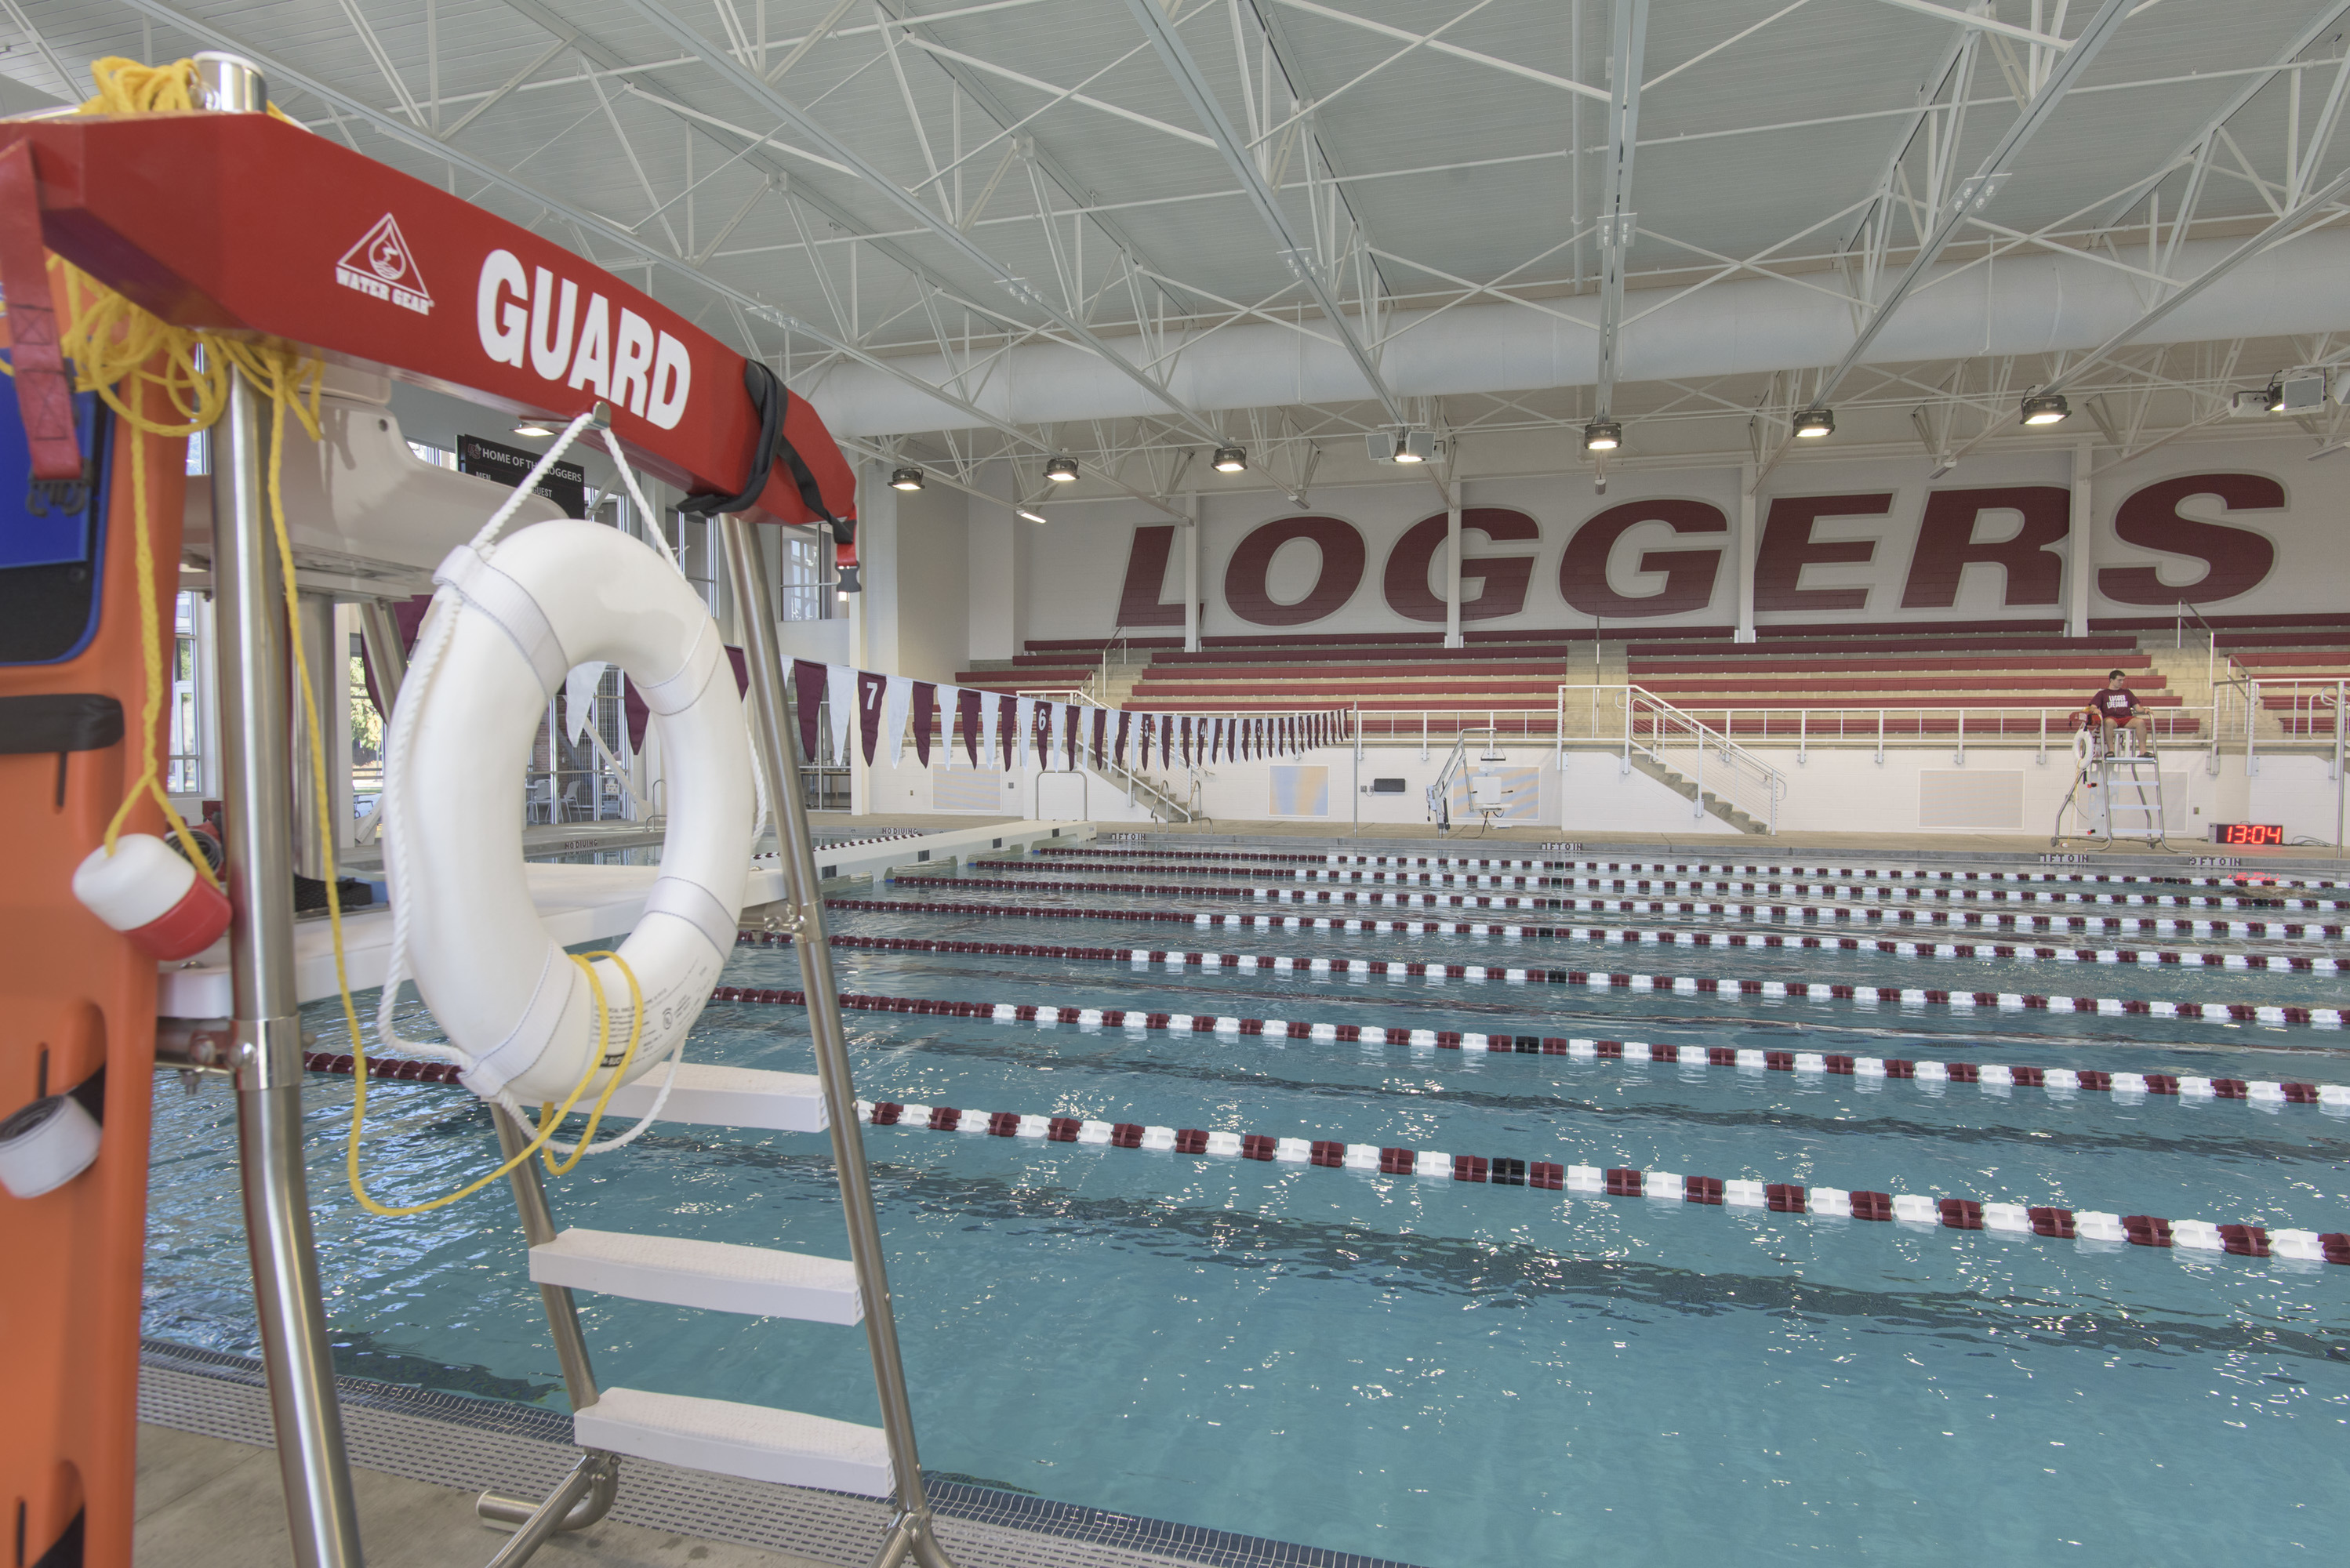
2248,832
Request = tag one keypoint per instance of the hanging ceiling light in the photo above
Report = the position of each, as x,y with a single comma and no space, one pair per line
533,428
1814,423
1231,459
1062,470
2046,409
906,479
1026,515
1602,435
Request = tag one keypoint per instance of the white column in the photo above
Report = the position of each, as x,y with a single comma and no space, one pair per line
1191,532
1743,549
1452,567
2077,546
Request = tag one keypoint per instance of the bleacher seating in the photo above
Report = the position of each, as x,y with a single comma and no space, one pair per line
2300,668
1976,678
1925,683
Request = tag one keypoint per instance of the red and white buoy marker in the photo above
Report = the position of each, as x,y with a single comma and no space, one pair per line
152,896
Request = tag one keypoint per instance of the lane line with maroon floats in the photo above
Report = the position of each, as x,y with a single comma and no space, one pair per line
2154,924
1601,980
2054,1079
2047,1221
1676,884
2248,879
2187,958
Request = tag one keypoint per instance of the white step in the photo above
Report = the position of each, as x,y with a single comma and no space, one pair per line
728,1098
730,1439
761,1282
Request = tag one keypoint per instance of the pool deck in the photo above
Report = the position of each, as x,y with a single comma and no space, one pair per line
212,1502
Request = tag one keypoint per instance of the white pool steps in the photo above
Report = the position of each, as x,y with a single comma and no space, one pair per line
712,1096
717,1276
751,1441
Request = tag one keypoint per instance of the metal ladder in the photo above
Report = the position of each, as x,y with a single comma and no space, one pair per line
2141,813
724,1436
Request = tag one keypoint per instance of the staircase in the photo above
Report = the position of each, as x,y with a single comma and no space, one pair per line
1712,803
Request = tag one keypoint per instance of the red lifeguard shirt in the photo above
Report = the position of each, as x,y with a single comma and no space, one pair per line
2120,705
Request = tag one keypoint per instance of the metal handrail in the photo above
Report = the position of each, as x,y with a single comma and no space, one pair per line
1744,767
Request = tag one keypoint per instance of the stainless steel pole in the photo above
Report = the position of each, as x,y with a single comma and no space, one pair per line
775,747
583,1501
257,791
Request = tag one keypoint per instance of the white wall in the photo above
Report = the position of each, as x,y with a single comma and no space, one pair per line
1077,563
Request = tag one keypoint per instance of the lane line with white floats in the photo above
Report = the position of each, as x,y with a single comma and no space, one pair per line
1101,847
1673,885
2186,1086
1600,980
2046,1222
2159,925
2186,958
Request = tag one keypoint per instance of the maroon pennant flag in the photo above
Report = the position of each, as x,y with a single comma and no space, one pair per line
807,693
1007,729
1101,728
869,688
1039,737
1186,722
925,705
1071,717
967,704
1118,747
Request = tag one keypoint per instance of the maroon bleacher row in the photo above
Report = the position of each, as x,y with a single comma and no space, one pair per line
1622,1181
2281,929
1984,667
1625,934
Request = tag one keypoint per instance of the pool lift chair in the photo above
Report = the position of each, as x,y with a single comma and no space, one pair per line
1489,797
356,530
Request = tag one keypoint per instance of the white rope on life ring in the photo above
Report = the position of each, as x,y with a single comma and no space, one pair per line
509,622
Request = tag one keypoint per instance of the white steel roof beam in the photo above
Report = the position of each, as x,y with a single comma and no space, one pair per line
1185,71
284,75
756,89
1628,45
1984,23
1960,204
1437,45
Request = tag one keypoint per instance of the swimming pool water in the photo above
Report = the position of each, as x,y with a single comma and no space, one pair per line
1438,1372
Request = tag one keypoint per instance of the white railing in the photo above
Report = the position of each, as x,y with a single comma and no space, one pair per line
1162,797
1677,739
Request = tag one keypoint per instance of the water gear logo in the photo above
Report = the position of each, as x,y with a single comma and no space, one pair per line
383,265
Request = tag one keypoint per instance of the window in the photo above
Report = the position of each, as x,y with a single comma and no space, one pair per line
807,592
183,773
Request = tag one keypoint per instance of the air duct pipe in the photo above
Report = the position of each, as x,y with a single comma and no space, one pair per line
2025,304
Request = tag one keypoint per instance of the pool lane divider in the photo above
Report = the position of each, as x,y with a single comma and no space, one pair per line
1099,848
2159,925
1502,1170
1599,979
1677,885
1625,1181
2191,1087
1634,936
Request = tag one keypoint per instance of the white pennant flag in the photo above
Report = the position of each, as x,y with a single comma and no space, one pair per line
840,699
897,697
579,700
990,709
1023,730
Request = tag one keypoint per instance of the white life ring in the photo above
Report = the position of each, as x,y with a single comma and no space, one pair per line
506,626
